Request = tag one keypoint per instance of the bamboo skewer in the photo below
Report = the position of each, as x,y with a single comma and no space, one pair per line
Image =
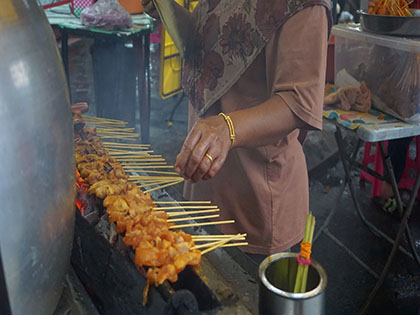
234,244
137,158
213,239
168,179
110,124
122,129
87,117
122,153
140,163
127,138
119,144
158,166
201,224
139,177
177,214
195,218
153,172
224,245
118,136
185,207
163,186
152,184
220,236
183,202
126,146
131,152
220,243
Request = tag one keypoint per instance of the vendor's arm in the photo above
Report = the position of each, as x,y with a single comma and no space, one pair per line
295,66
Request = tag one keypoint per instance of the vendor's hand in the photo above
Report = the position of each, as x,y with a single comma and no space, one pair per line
150,8
211,136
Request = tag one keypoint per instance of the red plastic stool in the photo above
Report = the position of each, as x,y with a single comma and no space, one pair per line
405,182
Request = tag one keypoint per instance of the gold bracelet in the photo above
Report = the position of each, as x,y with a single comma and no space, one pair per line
231,128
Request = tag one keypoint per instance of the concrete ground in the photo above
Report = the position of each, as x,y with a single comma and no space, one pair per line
349,284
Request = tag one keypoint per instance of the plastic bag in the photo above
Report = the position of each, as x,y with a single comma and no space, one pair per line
106,14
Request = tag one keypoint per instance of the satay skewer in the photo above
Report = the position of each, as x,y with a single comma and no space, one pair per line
178,214
195,218
87,117
127,138
118,129
127,164
182,202
215,243
153,183
123,159
163,186
201,224
129,150
135,153
203,236
220,243
119,144
185,207
214,239
158,166
159,172
137,158
139,165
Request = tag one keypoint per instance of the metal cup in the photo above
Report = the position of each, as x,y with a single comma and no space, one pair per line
277,274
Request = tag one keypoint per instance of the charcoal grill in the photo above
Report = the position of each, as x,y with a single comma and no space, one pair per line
105,267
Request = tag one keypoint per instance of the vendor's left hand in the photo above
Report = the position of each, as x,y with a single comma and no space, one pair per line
211,136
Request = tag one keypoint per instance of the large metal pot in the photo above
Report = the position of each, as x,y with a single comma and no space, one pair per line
36,153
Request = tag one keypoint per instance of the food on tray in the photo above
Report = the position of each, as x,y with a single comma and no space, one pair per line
166,252
389,7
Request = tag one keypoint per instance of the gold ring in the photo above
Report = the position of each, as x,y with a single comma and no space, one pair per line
209,157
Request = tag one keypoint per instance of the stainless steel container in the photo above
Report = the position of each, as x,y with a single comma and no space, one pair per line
36,150
277,275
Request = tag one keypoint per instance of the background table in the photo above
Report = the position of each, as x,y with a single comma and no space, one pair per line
373,127
138,35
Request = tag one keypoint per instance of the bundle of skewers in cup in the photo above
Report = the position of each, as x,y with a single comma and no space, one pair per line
109,169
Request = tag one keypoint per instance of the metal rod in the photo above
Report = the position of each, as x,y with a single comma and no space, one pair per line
342,188
400,233
352,255
369,170
390,176
371,226
4,298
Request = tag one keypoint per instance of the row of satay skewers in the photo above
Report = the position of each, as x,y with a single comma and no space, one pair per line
152,231
390,7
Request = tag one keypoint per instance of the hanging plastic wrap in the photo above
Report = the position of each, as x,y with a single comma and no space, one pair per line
390,66
106,14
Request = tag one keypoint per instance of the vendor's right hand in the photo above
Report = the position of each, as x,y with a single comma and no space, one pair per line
149,8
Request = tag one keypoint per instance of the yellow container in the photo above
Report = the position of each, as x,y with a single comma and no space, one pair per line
170,63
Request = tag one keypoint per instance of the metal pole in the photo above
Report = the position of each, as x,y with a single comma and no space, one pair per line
4,298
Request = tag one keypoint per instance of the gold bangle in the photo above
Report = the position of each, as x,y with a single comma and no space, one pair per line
231,128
